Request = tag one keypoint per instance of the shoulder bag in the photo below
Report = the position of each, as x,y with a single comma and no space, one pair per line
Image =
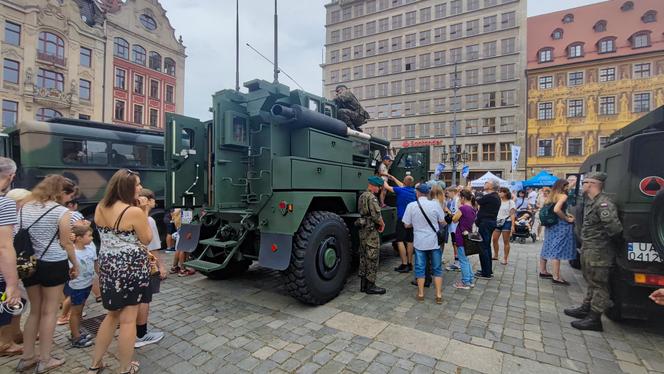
26,263
441,234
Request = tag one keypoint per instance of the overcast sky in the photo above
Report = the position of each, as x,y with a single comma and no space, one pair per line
208,30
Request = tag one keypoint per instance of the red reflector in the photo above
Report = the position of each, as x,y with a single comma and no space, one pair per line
282,205
274,248
649,279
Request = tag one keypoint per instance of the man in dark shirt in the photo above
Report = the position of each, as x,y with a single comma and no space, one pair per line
405,195
489,205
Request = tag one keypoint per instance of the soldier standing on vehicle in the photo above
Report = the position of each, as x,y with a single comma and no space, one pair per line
349,109
601,232
370,224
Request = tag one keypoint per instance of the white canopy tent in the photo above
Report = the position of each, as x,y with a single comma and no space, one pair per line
479,182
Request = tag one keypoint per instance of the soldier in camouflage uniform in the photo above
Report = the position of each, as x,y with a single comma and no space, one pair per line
601,235
370,224
349,109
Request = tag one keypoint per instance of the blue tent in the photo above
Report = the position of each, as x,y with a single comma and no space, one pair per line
543,179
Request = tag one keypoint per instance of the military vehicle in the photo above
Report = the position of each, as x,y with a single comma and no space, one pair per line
275,178
87,152
635,183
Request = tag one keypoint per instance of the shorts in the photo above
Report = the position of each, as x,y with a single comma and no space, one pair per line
507,226
151,289
436,258
453,238
78,297
170,228
404,234
49,274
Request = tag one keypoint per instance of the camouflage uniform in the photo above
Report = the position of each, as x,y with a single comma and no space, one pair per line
600,228
350,111
369,238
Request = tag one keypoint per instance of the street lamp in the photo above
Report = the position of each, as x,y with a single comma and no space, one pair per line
455,158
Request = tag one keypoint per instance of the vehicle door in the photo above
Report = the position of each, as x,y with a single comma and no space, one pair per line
413,161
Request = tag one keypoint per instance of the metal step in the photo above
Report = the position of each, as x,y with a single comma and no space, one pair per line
212,242
203,266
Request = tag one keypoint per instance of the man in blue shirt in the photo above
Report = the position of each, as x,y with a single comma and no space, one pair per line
405,193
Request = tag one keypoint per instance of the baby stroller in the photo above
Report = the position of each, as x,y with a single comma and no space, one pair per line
524,222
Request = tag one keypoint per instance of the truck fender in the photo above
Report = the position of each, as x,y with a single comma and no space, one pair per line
275,250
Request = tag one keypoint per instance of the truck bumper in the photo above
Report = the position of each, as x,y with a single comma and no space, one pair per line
630,298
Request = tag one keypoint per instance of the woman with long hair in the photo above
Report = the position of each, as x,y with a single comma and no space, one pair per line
558,239
49,225
123,265
504,224
464,218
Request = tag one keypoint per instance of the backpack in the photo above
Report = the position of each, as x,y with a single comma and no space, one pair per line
547,216
26,263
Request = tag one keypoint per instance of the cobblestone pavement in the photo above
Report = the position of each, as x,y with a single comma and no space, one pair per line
511,324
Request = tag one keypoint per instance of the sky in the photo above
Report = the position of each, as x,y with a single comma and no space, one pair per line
208,30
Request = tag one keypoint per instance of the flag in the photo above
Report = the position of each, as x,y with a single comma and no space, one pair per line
516,152
465,171
439,169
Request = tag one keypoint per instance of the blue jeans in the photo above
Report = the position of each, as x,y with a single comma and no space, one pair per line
486,228
464,264
436,258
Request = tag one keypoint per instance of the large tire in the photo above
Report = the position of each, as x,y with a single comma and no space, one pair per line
657,223
320,259
233,269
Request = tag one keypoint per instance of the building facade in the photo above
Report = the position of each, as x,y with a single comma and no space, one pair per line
399,58
591,70
59,61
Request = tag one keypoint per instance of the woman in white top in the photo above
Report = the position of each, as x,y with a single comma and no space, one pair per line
504,224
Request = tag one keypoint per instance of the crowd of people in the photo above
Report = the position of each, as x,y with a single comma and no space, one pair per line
50,265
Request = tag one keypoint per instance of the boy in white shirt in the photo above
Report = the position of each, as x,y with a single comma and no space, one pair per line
78,289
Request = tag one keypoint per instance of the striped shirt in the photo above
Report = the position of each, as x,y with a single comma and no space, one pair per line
43,231
7,215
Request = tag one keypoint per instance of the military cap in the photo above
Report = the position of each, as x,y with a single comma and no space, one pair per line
341,86
597,175
376,181
423,188
387,157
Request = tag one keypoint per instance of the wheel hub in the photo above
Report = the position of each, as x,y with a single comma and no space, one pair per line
328,258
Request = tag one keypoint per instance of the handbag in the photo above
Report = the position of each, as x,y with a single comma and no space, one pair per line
500,223
472,243
26,263
441,234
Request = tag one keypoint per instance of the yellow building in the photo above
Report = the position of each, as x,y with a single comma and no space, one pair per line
591,70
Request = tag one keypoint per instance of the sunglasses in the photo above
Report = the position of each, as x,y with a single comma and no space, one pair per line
131,172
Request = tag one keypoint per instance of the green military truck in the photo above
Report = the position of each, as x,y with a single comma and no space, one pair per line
635,168
275,178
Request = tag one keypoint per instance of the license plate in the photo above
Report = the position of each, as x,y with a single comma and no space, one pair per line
644,252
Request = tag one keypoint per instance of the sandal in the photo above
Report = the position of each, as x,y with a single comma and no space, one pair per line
24,364
560,281
419,298
53,363
6,352
439,300
98,369
134,366
98,299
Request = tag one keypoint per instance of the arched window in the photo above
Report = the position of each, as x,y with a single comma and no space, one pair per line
569,18
640,39
627,6
606,45
545,55
138,54
169,66
649,16
575,50
121,48
155,61
50,80
44,114
557,34
148,22
600,26
51,45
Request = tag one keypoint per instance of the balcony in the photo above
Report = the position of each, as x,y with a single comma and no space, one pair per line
51,59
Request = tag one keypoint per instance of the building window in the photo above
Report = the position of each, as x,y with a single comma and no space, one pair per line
170,94
456,7
439,105
490,49
139,85
546,82
51,48
425,130
557,34
154,89
642,70
84,89
545,55
627,6
472,77
472,5
44,114
649,16
507,124
11,71
600,26
138,55
472,52
607,105
335,16
489,75
138,114
472,27
507,72
472,126
455,55
50,80
410,131
641,39
9,113
84,117
506,151
358,31
456,31
508,45
575,147
409,108
12,33
545,111
575,108
121,48
641,102
489,125
440,10
507,98
120,79
425,15
489,99
154,117
425,37
148,22
490,23
508,19
569,18
383,25
346,13
396,132
119,113
603,140
575,50
154,61
85,58
575,79
472,151
607,45
545,148
488,152
411,18
607,74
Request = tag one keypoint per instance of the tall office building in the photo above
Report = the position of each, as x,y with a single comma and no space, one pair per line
399,58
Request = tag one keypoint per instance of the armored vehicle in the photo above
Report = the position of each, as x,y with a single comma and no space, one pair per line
275,178
632,159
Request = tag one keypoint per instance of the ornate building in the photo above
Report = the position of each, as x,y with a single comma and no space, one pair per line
59,55
591,70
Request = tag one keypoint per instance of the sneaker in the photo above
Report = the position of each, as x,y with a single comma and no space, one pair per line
175,270
410,267
186,272
479,275
453,267
149,338
461,286
81,342
403,268
169,250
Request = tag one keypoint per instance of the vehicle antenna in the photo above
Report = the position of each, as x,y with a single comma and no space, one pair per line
276,45
280,69
237,45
